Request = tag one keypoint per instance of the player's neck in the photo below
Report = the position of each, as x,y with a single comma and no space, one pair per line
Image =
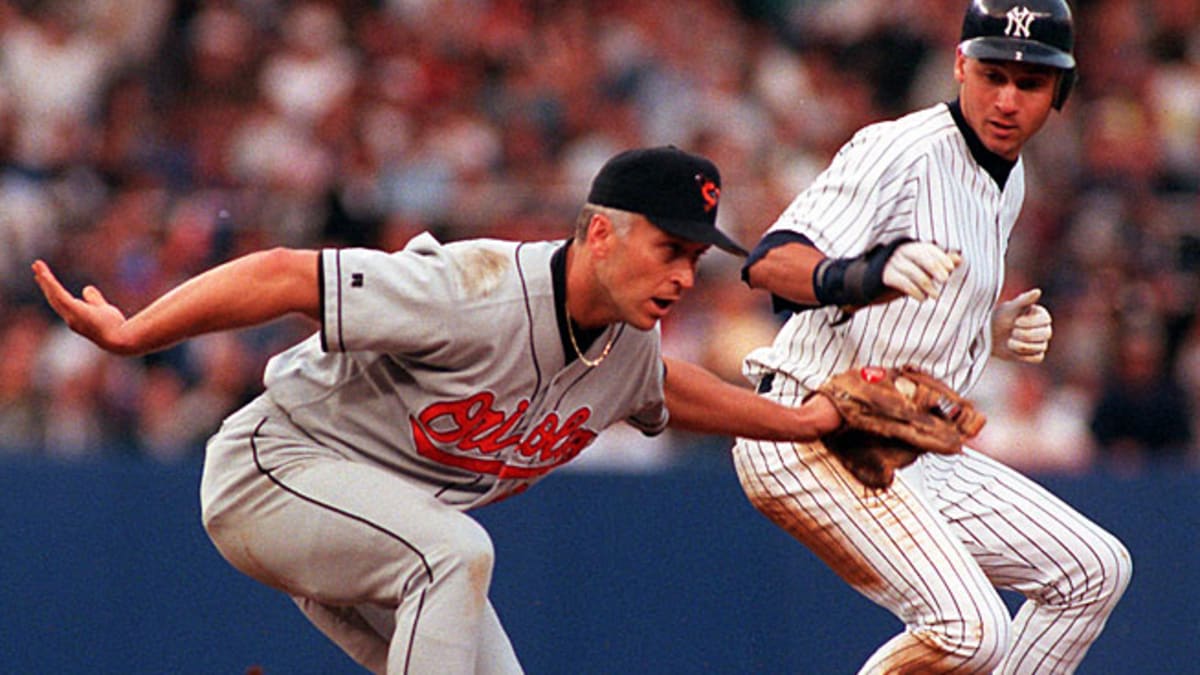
584,301
996,166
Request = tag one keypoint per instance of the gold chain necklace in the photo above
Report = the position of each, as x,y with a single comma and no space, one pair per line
579,352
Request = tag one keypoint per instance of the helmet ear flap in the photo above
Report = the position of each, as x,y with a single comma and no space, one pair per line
1066,82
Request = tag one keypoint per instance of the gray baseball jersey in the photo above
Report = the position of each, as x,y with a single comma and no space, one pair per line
440,380
930,547
444,363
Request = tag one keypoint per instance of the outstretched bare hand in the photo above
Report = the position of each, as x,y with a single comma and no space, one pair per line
92,316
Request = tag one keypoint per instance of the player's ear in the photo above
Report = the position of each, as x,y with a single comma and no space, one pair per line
960,66
601,234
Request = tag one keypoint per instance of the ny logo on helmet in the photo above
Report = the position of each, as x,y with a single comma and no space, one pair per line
1020,19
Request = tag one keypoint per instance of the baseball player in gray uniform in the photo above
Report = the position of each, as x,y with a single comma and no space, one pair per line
895,255
443,377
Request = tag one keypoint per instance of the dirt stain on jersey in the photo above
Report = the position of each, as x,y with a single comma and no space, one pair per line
480,271
821,538
818,532
919,651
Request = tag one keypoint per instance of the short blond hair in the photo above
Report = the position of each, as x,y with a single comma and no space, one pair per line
622,220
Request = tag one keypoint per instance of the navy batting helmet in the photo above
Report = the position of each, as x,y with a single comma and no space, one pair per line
1030,31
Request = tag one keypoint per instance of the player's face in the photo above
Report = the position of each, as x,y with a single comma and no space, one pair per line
1005,102
648,271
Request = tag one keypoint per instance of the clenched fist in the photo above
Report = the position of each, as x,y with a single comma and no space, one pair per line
1021,328
919,270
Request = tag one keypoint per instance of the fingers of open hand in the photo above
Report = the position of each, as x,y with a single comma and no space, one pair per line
58,297
93,296
92,316
43,276
919,270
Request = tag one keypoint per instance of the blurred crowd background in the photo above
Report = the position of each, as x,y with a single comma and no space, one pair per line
143,141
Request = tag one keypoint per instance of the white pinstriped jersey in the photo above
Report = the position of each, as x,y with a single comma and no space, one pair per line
934,546
914,176
444,363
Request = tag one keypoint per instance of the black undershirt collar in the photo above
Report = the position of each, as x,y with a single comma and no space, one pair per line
996,166
558,279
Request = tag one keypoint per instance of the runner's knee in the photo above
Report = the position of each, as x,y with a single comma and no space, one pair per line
1098,581
975,640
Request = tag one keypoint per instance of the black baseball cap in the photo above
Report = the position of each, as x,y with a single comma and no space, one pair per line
675,190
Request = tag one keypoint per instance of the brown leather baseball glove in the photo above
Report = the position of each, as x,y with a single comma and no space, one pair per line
892,416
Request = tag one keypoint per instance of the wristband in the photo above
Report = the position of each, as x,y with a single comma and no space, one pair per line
854,281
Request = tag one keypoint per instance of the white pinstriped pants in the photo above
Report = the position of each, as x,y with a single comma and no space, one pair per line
933,548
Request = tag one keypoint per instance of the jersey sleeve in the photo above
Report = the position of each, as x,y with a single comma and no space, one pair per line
771,241
859,200
651,418
401,303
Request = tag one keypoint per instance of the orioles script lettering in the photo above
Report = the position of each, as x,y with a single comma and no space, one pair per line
470,434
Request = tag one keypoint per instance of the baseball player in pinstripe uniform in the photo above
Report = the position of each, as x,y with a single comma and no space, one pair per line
895,255
443,377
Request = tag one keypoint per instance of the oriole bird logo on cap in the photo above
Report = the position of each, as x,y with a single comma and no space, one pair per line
709,192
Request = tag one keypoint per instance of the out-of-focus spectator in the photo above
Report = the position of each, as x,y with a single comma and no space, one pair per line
140,139
55,68
22,404
313,69
73,377
1143,414
1034,425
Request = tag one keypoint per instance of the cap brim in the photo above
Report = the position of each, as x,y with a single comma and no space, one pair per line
703,233
1022,51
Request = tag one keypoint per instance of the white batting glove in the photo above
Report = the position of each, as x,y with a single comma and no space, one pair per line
1021,328
919,270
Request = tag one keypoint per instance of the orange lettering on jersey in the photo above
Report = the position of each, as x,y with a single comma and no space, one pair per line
468,434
